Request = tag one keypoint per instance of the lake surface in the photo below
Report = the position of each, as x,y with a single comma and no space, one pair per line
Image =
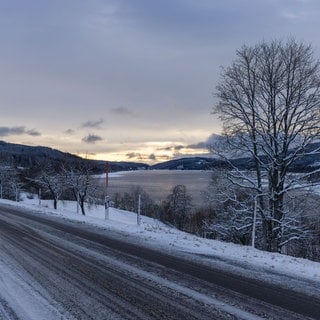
159,183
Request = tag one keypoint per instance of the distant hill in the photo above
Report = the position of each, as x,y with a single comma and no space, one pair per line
28,156
203,163
190,163
304,164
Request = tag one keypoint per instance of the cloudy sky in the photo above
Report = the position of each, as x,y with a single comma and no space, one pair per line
129,79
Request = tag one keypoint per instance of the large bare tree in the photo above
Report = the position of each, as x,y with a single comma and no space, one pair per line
269,103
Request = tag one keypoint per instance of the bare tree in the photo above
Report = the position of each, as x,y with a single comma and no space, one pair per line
233,207
129,201
15,184
52,181
178,206
268,100
4,178
79,179
301,238
10,181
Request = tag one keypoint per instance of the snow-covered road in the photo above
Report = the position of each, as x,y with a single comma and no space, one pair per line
48,273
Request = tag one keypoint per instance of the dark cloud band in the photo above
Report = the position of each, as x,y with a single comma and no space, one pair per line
19,130
92,138
93,124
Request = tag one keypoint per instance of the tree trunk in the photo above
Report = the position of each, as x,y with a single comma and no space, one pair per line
82,203
55,202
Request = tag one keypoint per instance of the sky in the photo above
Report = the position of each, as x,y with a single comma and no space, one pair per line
129,80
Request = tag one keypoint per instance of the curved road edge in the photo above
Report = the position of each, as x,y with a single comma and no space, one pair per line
306,305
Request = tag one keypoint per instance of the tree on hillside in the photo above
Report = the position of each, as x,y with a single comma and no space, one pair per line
4,178
52,181
232,205
15,183
79,179
178,206
129,201
10,181
269,103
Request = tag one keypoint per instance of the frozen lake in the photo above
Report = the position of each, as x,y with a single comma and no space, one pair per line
159,183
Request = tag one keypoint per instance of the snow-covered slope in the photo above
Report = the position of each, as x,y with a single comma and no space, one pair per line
249,261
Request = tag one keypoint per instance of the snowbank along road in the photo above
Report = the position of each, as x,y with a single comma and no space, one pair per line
52,268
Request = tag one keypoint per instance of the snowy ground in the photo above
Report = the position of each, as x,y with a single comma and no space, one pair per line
155,234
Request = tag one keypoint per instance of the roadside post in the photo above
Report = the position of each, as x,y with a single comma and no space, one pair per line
106,208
